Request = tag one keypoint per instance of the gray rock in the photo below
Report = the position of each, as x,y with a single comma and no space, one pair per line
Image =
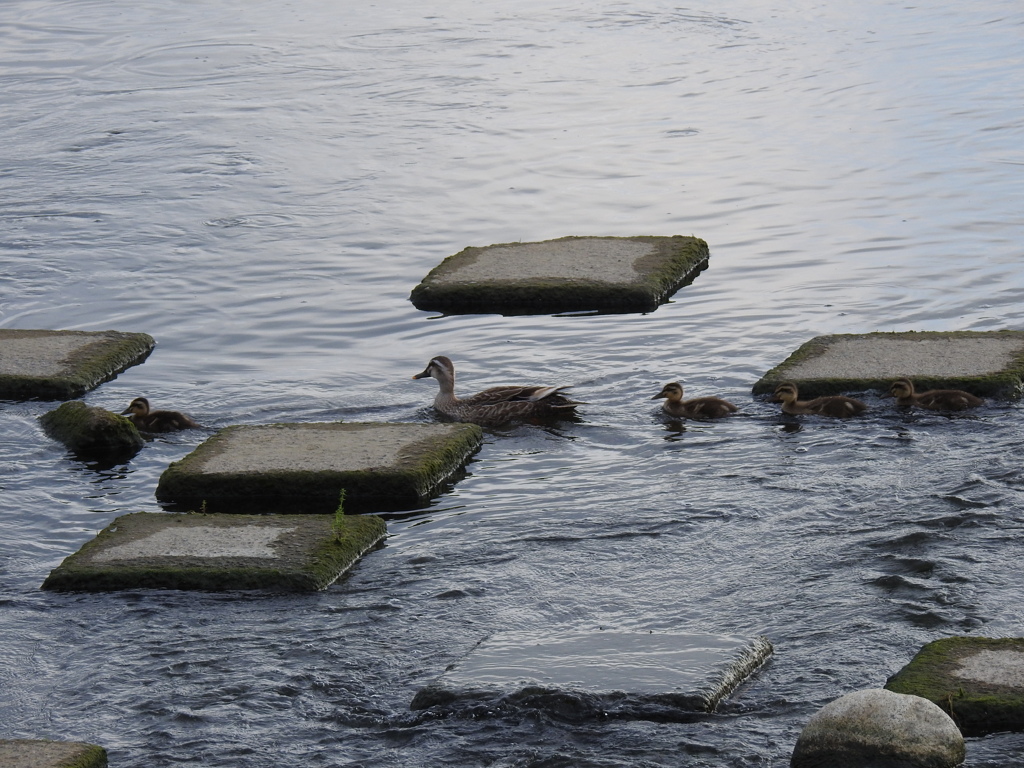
42,753
570,274
879,729
91,432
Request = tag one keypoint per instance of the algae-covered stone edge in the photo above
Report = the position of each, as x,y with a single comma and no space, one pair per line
1005,383
47,753
90,431
101,360
674,262
976,709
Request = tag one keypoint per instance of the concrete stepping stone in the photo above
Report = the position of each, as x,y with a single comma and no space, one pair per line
62,365
979,681
91,432
218,552
985,363
303,468
591,675
571,274
40,753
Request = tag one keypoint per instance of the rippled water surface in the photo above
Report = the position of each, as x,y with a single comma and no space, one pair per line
260,185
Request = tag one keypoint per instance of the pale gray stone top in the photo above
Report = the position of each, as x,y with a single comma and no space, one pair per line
39,355
199,541
1003,667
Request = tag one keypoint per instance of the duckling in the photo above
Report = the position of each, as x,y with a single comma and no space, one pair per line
697,408
156,421
835,405
496,405
933,399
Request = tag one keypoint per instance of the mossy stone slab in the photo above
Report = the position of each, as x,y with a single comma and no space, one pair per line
42,753
570,274
91,432
985,363
978,681
62,365
303,468
599,674
218,552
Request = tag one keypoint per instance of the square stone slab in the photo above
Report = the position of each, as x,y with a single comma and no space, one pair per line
978,681
585,675
985,363
303,468
63,365
218,552
571,274
40,753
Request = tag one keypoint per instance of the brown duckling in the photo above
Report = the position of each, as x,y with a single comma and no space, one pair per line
497,405
933,399
835,405
697,408
146,420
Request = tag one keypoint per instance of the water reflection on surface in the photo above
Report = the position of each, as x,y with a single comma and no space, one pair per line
259,187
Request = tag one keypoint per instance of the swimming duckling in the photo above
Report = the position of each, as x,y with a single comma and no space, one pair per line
146,420
496,405
834,405
933,399
697,408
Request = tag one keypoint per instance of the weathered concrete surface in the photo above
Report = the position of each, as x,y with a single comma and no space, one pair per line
571,274
880,729
61,365
91,432
218,552
979,681
304,467
588,675
40,753
987,364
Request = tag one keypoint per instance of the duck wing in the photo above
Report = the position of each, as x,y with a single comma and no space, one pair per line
838,406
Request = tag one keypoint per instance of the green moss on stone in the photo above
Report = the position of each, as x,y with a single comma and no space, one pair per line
44,753
92,432
312,557
1004,383
421,468
976,707
673,263
84,370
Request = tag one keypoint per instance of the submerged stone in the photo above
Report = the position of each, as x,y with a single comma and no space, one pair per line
304,468
91,432
61,365
984,363
218,552
571,274
880,729
979,681
42,753
594,675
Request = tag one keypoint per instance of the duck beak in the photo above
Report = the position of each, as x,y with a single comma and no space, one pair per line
126,411
660,395
424,374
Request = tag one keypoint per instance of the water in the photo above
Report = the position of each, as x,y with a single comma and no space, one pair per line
260,185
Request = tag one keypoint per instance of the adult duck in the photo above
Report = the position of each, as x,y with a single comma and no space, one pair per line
833,405
696,408
933,399
497,405
145,420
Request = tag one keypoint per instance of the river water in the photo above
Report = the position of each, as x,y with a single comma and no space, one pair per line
260,185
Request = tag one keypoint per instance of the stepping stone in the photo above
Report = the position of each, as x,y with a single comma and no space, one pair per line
593,675
986,363
979,681
91,432
40,753
304,468
571,274
63,365
218,552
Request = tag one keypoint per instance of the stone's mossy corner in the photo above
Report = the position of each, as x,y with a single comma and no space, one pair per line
570,274
91,432
43,753
978,681
983,363
217,552
61,365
